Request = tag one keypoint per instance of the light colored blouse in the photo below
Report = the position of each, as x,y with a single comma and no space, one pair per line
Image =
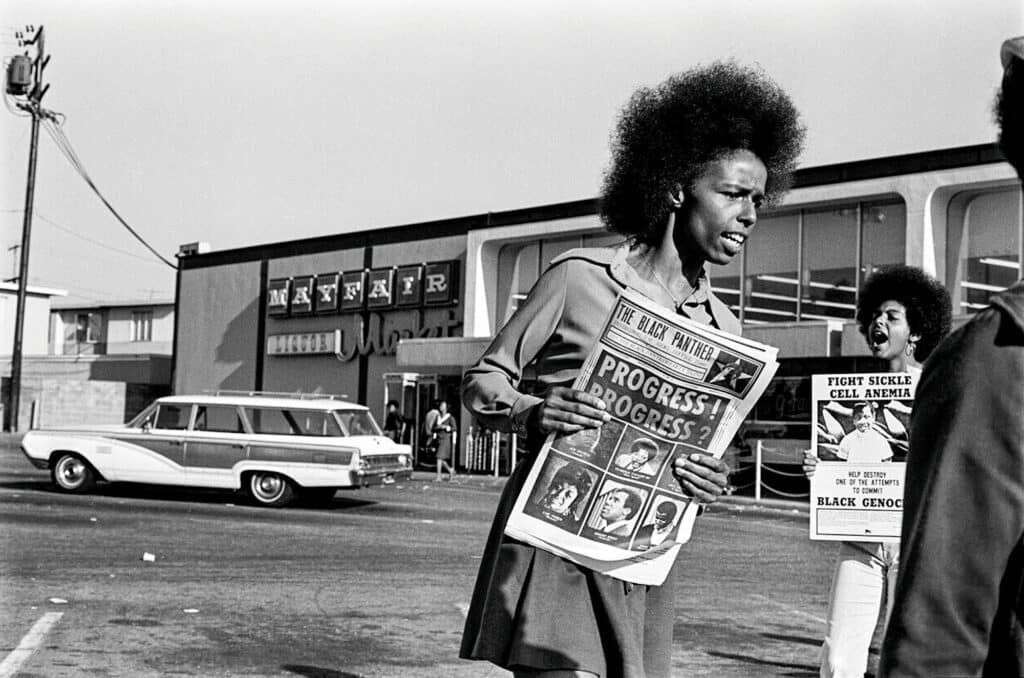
555,328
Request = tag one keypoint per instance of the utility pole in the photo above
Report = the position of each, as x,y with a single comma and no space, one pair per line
25,78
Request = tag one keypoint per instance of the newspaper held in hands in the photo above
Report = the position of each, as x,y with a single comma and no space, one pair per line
607,498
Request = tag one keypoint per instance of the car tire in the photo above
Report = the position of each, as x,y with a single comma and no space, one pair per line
270,489
71,473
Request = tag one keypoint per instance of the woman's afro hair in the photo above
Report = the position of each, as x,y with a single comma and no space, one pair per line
929,310
667,135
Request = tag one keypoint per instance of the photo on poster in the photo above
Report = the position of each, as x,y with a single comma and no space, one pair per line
561,495
614,514
853,426
660,524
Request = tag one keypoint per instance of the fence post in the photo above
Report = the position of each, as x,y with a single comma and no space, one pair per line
757,470
496,452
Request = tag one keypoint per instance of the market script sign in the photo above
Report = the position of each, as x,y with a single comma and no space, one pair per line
364,297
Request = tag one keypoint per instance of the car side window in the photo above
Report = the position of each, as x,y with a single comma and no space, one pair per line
218,418
270,420
173,417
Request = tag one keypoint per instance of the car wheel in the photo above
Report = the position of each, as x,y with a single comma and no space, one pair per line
270,489
71,473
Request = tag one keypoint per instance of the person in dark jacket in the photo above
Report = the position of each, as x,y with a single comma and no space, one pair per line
959,600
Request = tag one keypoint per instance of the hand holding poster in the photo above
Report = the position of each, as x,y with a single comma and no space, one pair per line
860,424
607,498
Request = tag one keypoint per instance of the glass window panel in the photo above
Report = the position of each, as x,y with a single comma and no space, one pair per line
173,417
218,418
884,239
991,262
771,282
270,420
725,282
142,326
830,263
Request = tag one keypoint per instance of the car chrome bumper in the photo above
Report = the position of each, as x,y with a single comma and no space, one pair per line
380,476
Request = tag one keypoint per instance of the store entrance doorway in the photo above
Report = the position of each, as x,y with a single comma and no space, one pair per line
416,394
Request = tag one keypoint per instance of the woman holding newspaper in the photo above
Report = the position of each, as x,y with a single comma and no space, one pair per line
902,313
693,159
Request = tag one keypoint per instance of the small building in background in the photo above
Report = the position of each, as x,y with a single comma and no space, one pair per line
91,362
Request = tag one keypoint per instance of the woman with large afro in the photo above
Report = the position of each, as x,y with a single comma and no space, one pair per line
693,160
903,313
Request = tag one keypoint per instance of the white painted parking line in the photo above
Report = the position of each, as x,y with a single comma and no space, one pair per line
29,644
791,610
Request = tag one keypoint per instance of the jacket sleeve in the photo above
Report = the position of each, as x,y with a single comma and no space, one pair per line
963,507
490,388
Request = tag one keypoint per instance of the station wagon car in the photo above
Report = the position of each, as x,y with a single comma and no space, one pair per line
272,447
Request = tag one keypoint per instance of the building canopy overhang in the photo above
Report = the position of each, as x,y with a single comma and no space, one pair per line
440,354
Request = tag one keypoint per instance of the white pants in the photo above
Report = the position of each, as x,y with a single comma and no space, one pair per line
865,575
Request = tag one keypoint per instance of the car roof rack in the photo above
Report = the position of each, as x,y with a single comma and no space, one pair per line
299,395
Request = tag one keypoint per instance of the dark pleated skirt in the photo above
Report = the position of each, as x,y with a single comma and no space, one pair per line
532,609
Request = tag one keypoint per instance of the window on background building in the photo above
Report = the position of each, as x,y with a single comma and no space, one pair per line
808,264
520,265
142,326
985,241
829,289
87,328
883,235
771,285
725,282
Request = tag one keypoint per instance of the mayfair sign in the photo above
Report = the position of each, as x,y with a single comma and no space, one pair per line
376,289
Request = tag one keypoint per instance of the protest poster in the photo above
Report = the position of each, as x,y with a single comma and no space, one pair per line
607,498
860,424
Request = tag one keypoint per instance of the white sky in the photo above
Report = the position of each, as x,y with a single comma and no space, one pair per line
241,123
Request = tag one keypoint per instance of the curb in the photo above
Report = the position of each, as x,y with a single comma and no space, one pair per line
738,502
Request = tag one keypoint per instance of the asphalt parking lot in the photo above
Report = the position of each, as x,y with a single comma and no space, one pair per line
375,584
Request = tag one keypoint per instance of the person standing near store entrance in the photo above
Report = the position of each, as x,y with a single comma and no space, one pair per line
445,434
394,422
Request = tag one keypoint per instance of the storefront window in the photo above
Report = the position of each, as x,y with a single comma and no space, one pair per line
771,284
829,279
988,249
884,239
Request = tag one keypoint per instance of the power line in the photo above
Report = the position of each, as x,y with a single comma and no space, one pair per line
57,134
53,223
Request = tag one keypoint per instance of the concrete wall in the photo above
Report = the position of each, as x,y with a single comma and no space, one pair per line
217,329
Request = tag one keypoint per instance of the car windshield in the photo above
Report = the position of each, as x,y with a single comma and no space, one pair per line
357,422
